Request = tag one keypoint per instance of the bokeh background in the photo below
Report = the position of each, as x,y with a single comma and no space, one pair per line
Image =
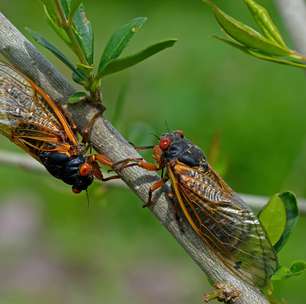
248,115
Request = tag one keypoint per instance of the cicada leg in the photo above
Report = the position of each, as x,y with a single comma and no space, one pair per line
141,148
140,162
132,162
157,185
104,160
87,130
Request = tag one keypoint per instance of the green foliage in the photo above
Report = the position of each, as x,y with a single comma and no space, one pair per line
265,45
83,31
77,97
279,217
46,44
117,65
297,268
68,19
265,22
118,42
74,5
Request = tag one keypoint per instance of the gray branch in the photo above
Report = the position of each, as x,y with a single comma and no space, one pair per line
105,139
294,15
256,202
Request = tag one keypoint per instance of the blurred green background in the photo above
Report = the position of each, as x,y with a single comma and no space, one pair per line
54,249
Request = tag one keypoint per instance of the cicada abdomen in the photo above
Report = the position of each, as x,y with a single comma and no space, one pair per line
32,120
218,216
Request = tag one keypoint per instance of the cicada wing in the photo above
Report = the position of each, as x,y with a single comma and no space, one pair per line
224,223
26,117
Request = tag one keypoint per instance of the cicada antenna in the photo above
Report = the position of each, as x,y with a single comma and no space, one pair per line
167,126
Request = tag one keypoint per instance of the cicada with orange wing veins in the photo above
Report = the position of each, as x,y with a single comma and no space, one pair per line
217,215
33,121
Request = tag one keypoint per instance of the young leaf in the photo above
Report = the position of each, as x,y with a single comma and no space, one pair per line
46,44
245,34
59,31
65,4
117,65
50,9
73,7
279,217
84,33
296,269
260,56
265,22
77,97
78,77
119,41
85,69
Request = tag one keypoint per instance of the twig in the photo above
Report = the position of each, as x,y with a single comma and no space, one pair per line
28,163
105,139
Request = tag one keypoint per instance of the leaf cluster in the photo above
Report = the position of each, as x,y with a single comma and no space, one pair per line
266,43
279,218
69,21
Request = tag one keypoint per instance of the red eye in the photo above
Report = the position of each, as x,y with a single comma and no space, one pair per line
85,169
164,143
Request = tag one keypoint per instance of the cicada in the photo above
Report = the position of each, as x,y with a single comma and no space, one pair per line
34,122
218,216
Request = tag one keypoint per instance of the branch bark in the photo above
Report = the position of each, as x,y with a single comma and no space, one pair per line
294,15
105,139
256,202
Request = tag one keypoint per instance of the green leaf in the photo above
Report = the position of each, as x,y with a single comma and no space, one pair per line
277,60
265,22
84,33
118,42
79,78
297,268
279,217
245,34
233,43
46,44
85,69
50,9
292,215
65,6
260,56
73,7
77,97
117,65
59,31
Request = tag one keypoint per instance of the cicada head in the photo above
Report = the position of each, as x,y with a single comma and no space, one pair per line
174,146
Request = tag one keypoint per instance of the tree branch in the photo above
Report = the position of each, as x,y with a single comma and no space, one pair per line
27,163
294,15
105,139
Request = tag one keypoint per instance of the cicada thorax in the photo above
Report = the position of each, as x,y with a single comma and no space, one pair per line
32,120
